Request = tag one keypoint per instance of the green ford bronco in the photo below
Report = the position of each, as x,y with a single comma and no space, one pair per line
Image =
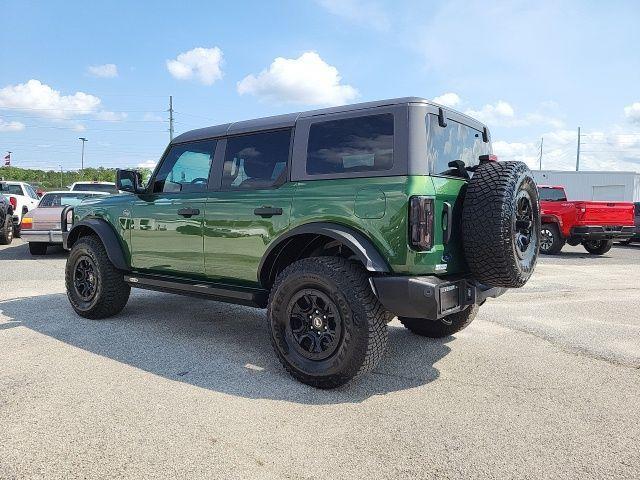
335,220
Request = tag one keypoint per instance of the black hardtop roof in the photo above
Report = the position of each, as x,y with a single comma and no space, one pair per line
289,119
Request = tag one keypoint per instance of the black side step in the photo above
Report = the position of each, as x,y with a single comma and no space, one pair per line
252,297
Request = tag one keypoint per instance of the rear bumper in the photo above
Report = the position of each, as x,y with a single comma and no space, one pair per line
430,297
602,232
44,236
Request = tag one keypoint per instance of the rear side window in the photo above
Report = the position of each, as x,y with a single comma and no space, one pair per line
456,141
359,144
552,194
10,189
257,160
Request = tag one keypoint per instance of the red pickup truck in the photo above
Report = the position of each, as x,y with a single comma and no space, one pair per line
595,225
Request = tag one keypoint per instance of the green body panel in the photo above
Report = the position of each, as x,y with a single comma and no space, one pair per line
226,241
163,241
235,238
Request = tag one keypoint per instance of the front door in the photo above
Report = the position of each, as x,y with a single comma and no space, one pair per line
168,220
251,208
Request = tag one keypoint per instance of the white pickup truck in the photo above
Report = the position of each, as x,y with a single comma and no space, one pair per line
22,197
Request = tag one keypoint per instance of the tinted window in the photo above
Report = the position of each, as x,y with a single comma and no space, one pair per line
453,142
62,199
185,168
31,192
95,187
360,144
257,160
10,189
552,194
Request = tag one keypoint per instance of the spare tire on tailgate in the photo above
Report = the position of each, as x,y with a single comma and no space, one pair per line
501,224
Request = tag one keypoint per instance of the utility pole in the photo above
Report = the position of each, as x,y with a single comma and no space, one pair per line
170,117
60,177
578,152
82,159
541,143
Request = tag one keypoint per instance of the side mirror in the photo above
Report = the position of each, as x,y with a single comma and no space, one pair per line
129,181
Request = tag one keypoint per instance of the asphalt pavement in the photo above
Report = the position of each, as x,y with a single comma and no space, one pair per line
545,383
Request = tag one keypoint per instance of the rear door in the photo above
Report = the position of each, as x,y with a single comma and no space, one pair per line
455,141
166,237
251,206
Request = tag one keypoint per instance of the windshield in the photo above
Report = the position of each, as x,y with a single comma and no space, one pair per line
552,194
64,199
96,187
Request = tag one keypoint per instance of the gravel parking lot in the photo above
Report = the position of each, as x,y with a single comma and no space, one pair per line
544,384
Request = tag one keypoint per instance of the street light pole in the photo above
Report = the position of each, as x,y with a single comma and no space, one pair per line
82,160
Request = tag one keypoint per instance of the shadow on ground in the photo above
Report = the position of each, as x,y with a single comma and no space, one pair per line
20,251
216,346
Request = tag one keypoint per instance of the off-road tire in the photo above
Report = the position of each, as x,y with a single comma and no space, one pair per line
557,240
490,230
441,328
38,248
599,247
111,291
363,338
6,231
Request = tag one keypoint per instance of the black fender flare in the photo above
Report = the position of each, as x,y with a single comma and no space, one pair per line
361,246
107,236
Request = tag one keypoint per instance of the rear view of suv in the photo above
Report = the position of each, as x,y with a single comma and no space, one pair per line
336,220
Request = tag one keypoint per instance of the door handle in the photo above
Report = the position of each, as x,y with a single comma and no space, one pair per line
267,212
447,222
188,212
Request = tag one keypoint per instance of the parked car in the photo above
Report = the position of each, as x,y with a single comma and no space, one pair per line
636,235
41,225
107,187
24,197
595,225
336,220
6,221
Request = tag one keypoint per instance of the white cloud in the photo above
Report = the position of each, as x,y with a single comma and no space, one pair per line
362,12
110,116
148,164
632,112
502,114
448,99
202,63
307,80
108,70
78,127
610,150
47,102
9,126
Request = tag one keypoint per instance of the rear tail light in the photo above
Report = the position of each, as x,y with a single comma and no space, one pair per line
421,223
68,219
14,202
26,223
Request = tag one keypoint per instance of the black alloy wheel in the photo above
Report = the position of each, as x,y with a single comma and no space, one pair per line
315,325
85,280
523,223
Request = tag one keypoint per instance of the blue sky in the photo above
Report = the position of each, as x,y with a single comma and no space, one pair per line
528,69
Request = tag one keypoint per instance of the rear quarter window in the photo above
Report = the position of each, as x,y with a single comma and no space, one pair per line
359,144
